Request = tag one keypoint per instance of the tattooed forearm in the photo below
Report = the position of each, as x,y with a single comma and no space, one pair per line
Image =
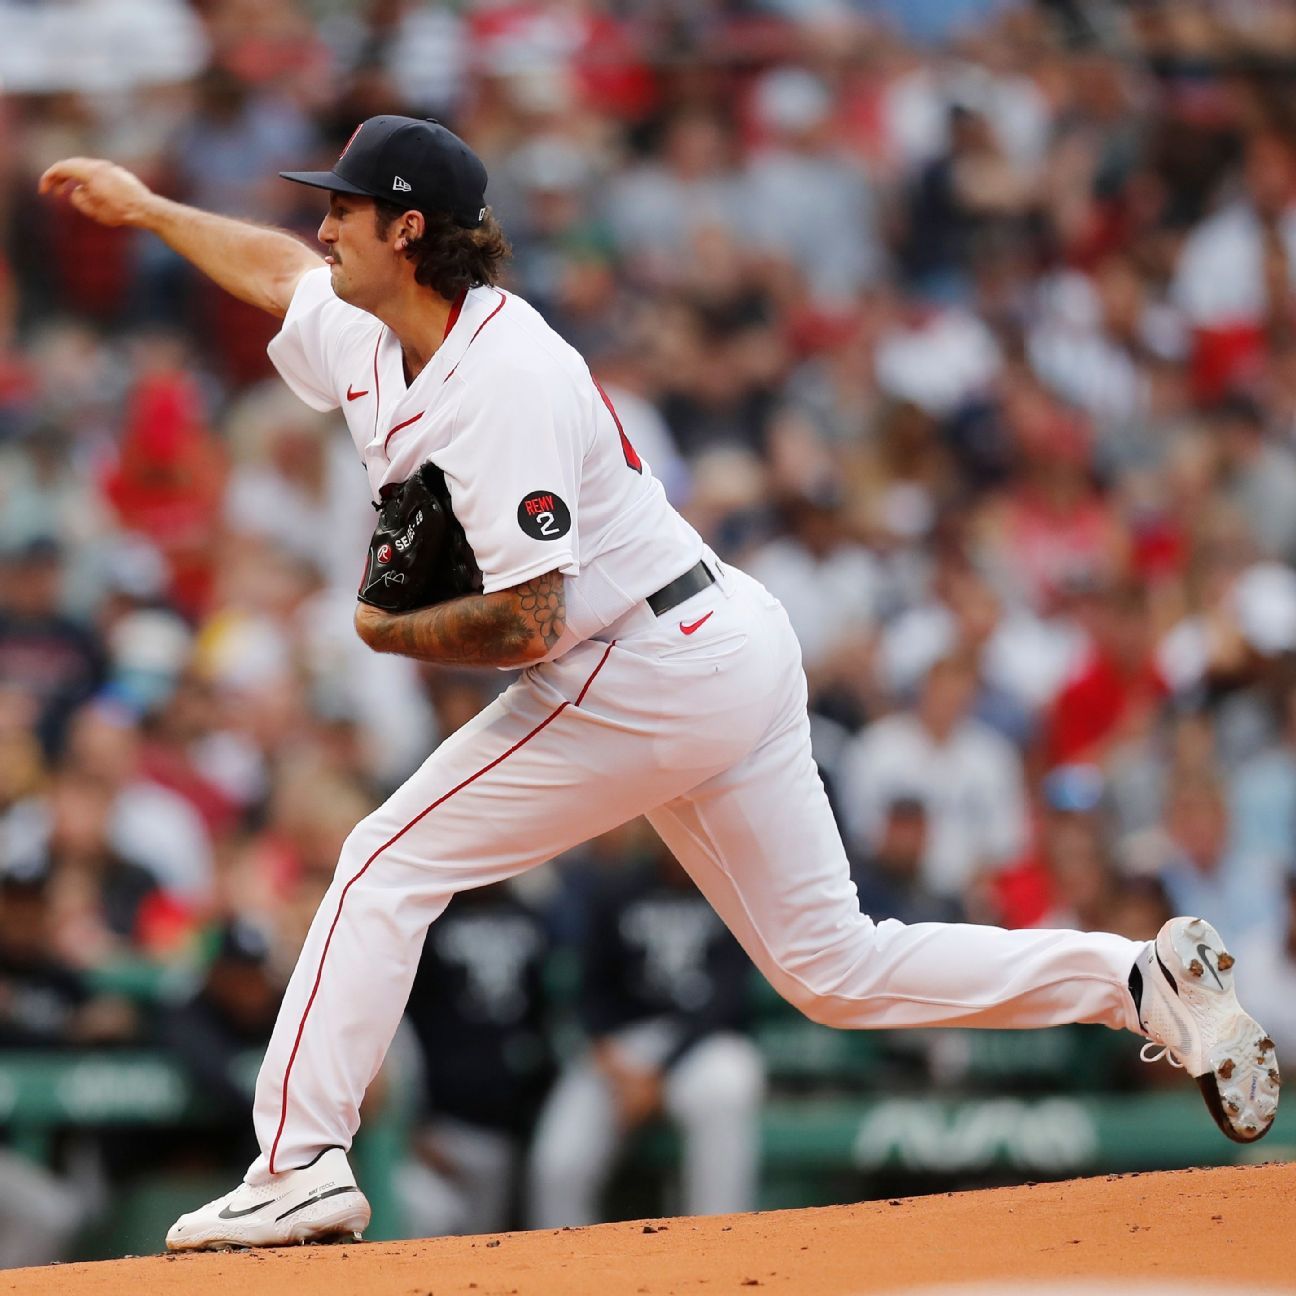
541,601
508,628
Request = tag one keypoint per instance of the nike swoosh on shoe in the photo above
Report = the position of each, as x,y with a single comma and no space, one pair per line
226,1214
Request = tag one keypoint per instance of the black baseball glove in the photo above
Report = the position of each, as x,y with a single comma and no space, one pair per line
419,554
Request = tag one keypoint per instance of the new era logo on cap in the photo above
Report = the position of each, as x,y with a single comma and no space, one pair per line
401,186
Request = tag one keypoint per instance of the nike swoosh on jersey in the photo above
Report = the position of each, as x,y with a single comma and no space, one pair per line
226,1213
697,625
355,395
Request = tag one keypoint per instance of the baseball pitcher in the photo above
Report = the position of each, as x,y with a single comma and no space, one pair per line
519,528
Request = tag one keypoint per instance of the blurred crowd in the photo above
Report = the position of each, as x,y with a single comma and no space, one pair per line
968,326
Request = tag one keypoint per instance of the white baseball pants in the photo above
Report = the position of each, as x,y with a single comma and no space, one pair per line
705,733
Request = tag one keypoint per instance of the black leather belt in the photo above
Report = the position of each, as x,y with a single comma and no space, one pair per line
694,581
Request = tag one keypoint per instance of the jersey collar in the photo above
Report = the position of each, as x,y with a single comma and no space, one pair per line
479,306
455,308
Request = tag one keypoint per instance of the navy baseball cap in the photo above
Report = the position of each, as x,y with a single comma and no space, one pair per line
419,165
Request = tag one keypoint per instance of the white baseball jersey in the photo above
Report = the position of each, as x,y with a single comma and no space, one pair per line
540,473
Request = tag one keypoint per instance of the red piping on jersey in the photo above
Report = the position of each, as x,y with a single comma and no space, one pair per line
377,391
471,340
398,427
391,841
631,454
456,307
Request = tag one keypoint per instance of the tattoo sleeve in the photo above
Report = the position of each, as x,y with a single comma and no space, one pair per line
511,627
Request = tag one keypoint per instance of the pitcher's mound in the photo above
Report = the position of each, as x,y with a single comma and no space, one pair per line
1224,1231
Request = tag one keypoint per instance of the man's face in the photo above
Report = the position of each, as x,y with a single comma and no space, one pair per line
947,697
365,268
1198,821
903,840
32,588
24,923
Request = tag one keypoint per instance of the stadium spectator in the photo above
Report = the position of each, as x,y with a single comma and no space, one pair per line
1116,687
1258,475
1063,880
219,1032
44,654
1262,792
793,177
658,209
46,1003
105,908
166,484
417,54
150,824
1050,527
1234,275
180,753
663,991
1268,962
1022,659
968,778
478,1010
1200,867
889,877
829,583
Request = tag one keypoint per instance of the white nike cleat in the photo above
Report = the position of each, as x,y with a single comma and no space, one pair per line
1188,1006
320,1202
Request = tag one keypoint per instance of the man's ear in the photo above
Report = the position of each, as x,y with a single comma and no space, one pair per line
412,227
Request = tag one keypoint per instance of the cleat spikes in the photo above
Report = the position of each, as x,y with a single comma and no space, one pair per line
1192,1012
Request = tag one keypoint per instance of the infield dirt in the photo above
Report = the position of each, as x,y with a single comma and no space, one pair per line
1220,1228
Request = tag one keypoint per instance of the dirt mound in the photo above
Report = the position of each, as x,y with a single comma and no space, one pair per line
1227,1230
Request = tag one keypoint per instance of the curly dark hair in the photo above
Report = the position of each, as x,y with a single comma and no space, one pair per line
448,258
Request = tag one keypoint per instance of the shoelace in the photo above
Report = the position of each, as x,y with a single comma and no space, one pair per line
1165,1052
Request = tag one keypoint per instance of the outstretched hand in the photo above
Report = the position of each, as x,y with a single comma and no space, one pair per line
257,265
105,192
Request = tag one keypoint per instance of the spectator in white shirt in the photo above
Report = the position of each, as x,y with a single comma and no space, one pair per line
294,484
828,582
1267,970
968,778
797,178
1220,280
656,210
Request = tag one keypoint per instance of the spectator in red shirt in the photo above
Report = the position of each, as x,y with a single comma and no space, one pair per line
1065,878
1116,688
168,481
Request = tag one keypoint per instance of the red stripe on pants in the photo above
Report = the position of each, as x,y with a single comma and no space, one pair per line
319,972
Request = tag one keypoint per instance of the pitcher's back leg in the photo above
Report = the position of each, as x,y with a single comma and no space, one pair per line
761,843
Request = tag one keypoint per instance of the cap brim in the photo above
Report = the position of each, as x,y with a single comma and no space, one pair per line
325,180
